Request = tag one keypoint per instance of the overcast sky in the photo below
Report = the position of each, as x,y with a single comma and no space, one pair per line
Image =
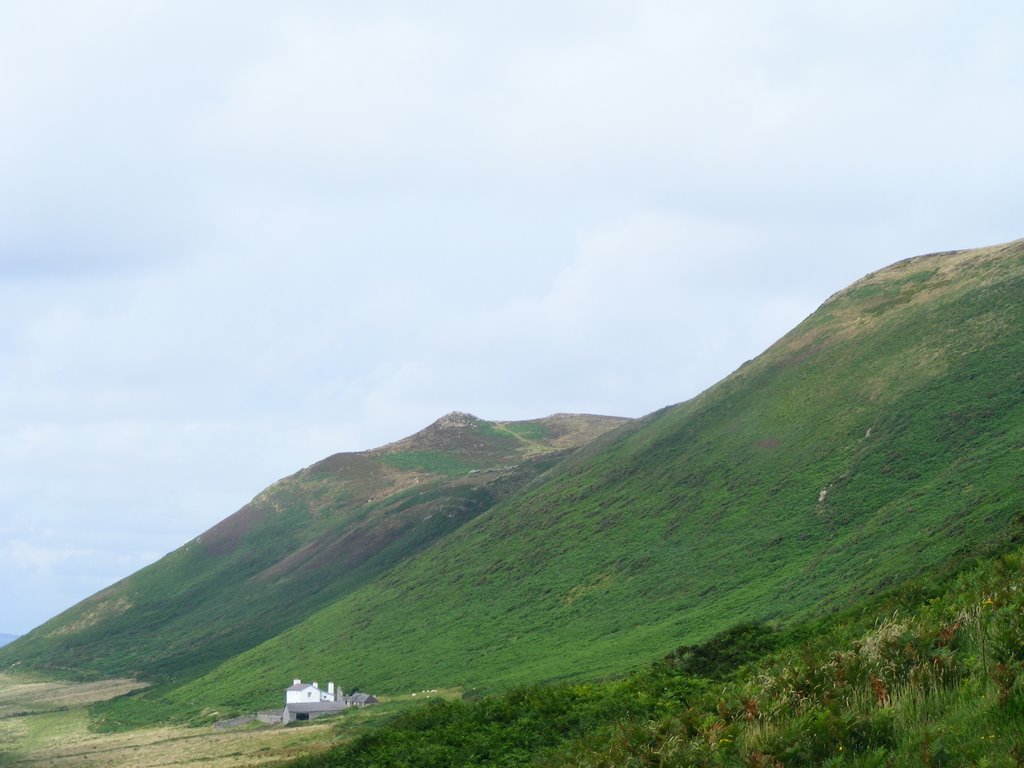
237,237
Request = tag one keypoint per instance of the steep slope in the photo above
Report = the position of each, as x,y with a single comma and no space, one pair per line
300,545
882,436
931,673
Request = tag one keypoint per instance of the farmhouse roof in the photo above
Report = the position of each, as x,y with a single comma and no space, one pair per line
362,698
316,706
299,687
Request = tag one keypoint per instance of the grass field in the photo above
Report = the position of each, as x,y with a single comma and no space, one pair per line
46,723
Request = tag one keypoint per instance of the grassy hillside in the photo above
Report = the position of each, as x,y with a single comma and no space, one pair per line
300,545
881,437
930,674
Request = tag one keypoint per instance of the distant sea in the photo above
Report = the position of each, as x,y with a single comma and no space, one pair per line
6,638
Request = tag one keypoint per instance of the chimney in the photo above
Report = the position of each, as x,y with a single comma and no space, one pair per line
296,681
315,685
330,688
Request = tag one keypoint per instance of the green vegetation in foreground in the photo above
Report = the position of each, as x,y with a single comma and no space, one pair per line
931,674
881,438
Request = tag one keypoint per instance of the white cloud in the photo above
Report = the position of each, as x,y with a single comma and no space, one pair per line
21,555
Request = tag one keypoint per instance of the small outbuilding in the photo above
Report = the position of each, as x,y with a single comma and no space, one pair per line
361,700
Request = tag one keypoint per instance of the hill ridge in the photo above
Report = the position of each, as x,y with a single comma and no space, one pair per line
302,542
901,397
710,512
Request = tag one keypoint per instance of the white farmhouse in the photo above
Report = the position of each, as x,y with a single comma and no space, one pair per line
307,701
309,693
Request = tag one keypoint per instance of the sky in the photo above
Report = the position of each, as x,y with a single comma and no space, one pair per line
238,237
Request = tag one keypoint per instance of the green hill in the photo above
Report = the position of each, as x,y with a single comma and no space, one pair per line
300,545
930,674
880,438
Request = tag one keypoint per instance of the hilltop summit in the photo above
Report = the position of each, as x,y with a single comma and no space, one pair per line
302,543
485,442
